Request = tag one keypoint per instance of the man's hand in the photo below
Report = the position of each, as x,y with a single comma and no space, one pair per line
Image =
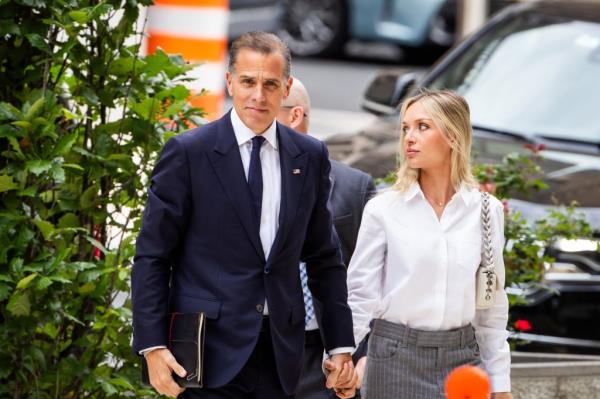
161,364
340,374
502,395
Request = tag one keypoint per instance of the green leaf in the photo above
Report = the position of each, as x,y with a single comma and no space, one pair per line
147,109
68,114
179,92
14,143
87,288
36,108
4,292
122,66
107,387
90,96
38,167
22,124
28,192
9,112
64,144
58,173
97,244
47,196
24,282
99,325
38,42
100,9
68,220
50,330
79,266
121,382
79,16
88,196
38,355
45,227
19,304
73,167
59,279
43,283
9,27
7,183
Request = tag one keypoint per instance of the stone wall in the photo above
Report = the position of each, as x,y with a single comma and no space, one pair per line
555,376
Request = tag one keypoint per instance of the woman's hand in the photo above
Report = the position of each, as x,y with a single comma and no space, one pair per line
360,370
502,395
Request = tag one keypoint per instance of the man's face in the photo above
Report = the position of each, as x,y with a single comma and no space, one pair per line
257,87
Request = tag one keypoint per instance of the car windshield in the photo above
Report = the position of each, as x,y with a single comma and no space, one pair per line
536,75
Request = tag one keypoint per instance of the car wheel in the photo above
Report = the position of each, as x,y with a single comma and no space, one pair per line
314,27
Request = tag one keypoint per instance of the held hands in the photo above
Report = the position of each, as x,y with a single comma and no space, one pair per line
161,364
349,390
341,375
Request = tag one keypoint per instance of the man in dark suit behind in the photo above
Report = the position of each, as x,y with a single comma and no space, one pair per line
233,207
351,189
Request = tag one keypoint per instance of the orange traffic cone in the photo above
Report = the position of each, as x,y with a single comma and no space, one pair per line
196,29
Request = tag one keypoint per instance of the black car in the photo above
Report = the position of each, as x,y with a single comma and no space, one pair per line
531,76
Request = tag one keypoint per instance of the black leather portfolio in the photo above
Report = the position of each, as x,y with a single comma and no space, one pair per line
186,342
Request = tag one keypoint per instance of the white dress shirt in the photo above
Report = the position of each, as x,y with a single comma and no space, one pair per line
412,268
271,176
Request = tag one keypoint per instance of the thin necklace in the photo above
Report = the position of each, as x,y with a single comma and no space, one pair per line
440,204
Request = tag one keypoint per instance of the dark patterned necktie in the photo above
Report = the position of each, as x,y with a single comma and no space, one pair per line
255,181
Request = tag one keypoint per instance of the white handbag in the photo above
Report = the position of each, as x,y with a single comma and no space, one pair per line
486,281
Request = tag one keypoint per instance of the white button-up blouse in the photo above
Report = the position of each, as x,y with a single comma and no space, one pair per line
412,268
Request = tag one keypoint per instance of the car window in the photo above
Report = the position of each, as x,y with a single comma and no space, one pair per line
532,75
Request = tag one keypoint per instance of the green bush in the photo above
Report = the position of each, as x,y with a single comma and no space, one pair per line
82,119
525,251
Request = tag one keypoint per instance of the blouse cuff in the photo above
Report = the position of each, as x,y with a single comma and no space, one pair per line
500,383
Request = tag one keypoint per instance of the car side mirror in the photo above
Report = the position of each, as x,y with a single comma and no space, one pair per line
387,90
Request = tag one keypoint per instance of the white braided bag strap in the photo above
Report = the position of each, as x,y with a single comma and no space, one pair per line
487,260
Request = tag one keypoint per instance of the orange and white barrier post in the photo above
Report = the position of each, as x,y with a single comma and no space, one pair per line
196,29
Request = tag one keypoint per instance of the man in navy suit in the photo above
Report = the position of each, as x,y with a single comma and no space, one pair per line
233,207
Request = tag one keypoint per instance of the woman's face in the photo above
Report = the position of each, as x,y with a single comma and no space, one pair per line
424,144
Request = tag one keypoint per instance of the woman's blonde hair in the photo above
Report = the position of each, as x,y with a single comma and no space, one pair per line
450,113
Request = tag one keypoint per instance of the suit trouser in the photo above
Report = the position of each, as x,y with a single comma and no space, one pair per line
258,379
403,362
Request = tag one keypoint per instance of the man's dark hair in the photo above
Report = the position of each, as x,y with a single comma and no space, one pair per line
262,42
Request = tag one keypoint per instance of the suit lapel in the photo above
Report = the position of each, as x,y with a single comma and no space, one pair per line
227,163
293,174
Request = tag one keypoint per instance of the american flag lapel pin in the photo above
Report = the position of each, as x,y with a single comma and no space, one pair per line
296,171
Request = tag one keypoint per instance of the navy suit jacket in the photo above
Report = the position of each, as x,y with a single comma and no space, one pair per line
199,249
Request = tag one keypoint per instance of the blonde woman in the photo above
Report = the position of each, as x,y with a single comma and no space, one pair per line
413,270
